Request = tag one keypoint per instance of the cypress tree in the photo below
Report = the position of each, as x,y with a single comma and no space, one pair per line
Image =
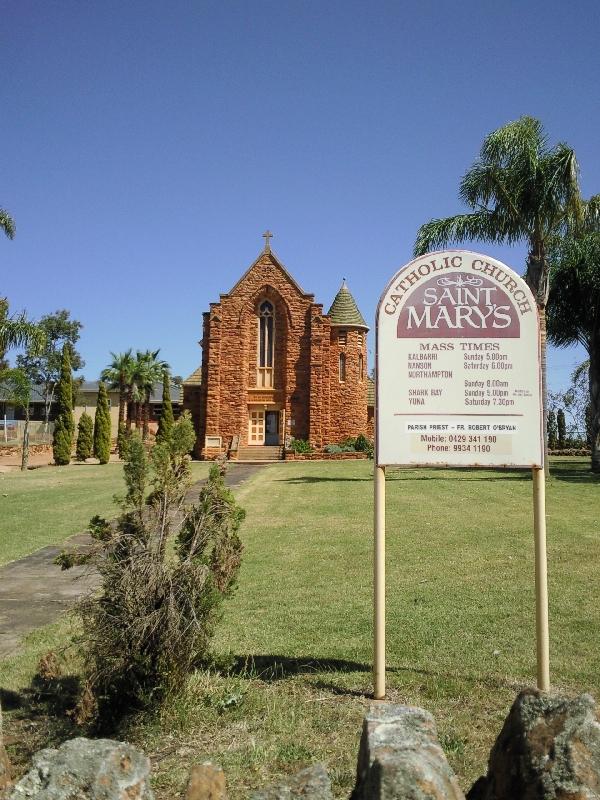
64,425
102,426
552,430
85,438
562,429
166,421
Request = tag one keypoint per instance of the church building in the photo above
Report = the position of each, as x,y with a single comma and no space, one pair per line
275,367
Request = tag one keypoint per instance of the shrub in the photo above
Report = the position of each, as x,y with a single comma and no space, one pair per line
347,444
362,443
300,446
552,430
161,592
332,448
166,421
102,426
64,425
85,438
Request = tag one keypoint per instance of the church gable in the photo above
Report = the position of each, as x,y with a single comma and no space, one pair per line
267,270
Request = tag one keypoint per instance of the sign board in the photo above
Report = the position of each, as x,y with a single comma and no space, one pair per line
458,365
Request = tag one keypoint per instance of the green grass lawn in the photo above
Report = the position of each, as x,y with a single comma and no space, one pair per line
295,642
44,506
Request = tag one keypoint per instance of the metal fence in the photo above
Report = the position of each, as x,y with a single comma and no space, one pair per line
11,432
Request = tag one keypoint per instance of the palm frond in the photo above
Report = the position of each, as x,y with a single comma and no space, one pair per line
19,332
7,224
462,227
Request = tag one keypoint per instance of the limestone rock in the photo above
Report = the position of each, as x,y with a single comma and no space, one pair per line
87,769
548,749
400,757
311,783
207,782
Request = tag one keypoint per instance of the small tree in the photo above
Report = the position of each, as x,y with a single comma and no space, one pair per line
166,421
102,426
85,438
16,387
561,426
151,622
64,425
552,430
44,367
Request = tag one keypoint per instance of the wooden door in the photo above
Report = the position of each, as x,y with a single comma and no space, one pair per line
256,427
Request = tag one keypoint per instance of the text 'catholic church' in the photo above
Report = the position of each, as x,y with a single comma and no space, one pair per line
275,367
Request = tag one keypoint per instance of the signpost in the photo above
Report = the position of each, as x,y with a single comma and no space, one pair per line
458,384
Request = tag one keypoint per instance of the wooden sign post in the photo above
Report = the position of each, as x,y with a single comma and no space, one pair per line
458,384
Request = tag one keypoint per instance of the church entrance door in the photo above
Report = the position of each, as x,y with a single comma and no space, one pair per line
272,427
256,427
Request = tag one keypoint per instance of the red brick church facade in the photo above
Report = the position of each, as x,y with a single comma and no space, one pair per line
275,367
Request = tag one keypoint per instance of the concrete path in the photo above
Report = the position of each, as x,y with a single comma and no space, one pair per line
34,592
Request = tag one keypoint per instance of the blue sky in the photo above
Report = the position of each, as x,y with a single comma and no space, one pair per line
146,146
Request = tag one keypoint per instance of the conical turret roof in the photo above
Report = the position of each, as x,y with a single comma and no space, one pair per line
344,310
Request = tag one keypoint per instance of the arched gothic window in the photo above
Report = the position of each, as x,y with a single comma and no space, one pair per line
265,354
266,349
342,366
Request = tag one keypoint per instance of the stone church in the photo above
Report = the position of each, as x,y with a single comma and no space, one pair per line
275,367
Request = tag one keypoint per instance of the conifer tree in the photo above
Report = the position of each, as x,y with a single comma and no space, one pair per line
64,425
562,429
85,438
552,430
102,426
166,421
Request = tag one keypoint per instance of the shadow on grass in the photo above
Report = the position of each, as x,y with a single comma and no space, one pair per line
272,668
574,473
466,475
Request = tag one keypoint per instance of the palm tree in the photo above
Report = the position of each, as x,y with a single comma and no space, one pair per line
574,305
18,331
149,369
519,189
119,375
7,224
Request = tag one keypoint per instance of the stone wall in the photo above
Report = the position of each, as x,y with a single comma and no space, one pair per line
548,749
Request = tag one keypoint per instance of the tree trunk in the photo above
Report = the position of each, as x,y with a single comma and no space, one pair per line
122,400
138,415
595,395
146,429
536,277
25,449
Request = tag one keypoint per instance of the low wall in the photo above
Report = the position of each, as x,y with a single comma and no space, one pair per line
349,456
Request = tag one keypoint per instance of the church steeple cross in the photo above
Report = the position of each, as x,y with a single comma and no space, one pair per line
266,236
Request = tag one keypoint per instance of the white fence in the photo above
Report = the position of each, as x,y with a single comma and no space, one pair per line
11,432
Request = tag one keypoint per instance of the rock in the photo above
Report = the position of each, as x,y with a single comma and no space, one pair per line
311,783
549,748
207,782
400,757
87,769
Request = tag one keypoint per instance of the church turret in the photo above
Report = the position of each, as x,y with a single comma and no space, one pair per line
348,367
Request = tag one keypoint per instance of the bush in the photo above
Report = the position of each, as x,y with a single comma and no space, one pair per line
152,621
64,425
332,448
85,438
300,446
347,444
362,443
102,426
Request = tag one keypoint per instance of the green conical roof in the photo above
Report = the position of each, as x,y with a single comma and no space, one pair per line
344,310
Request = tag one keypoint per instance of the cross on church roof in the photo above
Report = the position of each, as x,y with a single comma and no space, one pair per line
266,236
